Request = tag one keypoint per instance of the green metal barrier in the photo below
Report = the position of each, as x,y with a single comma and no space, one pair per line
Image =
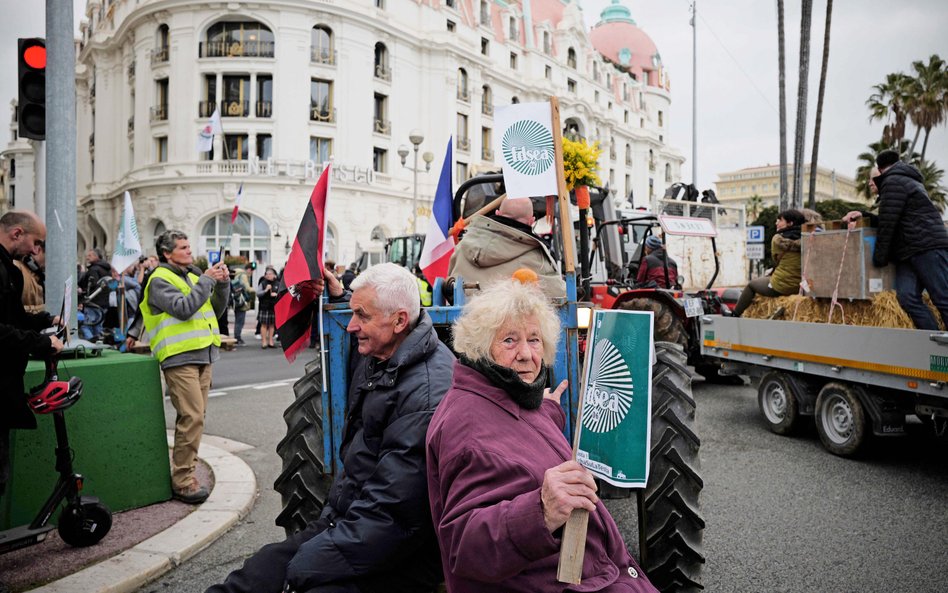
117,432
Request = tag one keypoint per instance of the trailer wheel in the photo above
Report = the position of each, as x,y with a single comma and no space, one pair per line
778,403
840,419
673,526
303,484
667,327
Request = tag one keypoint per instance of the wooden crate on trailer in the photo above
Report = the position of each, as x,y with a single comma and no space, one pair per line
858,278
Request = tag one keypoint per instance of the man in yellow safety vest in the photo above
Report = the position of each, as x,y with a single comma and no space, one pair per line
180,307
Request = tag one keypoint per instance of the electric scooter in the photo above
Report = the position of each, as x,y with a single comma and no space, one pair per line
84,521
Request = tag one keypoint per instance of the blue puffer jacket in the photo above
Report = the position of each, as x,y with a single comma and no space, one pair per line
909,223
377,509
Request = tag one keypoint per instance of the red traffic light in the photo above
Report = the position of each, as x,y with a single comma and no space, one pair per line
35,56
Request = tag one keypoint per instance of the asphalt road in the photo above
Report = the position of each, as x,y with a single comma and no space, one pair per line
782,514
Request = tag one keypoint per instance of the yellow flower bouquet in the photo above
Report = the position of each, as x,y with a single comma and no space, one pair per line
580,163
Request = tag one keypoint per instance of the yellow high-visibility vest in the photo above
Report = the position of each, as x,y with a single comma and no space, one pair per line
169,335
425,290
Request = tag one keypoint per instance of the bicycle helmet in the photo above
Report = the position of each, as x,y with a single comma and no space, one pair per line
52,396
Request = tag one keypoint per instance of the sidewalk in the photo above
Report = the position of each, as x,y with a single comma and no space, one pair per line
232,497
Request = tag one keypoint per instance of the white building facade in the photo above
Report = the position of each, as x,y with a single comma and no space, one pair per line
297,82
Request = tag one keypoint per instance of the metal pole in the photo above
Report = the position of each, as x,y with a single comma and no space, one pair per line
694,93
60,154
414,197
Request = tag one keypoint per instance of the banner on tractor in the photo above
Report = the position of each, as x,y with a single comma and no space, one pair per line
526,147
615,417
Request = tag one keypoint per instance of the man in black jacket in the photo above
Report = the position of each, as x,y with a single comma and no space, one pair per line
912,235
21,233
375,532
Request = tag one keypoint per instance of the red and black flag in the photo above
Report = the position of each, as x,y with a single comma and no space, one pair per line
294,311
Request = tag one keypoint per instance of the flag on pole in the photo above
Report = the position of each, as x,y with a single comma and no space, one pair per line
205,141
439,245
294,315
128,245
240,195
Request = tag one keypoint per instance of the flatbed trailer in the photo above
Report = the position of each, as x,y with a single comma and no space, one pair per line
856,381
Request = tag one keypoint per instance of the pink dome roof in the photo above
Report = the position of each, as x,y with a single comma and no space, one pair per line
620,40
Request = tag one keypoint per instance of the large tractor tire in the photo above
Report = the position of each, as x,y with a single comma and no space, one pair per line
303,483
667,327
673,526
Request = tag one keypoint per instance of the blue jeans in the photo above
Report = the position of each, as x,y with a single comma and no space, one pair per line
929,271
239,317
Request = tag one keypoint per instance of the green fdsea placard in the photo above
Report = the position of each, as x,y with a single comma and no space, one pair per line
615,418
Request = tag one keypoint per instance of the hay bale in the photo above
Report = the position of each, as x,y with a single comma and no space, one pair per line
882,311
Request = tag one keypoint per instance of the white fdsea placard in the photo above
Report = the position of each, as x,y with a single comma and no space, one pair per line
524,141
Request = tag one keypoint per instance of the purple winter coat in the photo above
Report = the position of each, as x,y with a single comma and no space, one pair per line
486,460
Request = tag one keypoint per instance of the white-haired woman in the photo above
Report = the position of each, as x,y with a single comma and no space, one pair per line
500,476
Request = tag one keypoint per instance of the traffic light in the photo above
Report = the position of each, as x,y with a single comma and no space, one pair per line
31,106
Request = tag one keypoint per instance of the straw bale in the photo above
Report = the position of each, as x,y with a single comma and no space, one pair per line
882,311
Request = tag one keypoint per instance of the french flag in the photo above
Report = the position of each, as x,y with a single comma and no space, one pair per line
240,194
439,245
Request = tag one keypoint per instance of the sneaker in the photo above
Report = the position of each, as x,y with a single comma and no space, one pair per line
195,494
256,336
240,342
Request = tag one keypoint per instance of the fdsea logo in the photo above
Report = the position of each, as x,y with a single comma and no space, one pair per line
609,394
528,147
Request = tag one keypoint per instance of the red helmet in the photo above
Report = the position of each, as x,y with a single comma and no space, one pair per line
51,396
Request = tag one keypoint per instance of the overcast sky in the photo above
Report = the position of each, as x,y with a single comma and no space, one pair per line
737,72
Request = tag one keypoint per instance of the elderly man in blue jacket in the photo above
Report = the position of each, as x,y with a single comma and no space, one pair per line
375,532
912,235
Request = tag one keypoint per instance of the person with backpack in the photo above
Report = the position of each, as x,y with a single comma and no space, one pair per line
242,300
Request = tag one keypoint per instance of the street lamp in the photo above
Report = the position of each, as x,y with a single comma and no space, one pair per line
416,138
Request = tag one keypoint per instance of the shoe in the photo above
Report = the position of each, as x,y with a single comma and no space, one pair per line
263,346
256,336
194,495
240,342
273,345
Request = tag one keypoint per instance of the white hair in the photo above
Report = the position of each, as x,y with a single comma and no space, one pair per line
396,289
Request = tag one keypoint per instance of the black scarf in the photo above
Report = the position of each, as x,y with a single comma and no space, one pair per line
528,396
791,232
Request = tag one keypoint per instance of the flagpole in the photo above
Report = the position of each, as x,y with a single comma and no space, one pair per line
322,336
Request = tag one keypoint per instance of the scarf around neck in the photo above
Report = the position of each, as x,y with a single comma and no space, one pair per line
528,396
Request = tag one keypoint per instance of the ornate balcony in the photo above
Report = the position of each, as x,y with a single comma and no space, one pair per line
464,95
131,72
264,109
383,72
383,126
131,126
235,108
159,113
235,49
321,55
464,144
321,114
206,108
487,154
487,108
159,55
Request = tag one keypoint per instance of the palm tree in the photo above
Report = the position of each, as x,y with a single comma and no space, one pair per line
784,190
819,105
807,13
931,179
754,205
928,100
888,102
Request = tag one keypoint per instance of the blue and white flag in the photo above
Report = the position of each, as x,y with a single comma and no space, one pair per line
128,245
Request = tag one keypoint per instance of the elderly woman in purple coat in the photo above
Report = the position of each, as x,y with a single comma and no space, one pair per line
500,476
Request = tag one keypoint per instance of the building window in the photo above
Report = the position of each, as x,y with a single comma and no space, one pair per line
548,72
628,185
487,100
264,96
612,149
461,172
320,100
661,119
159,55
264,146
485,46
451,4
668,172
487,151
236,99
321,45
514,100
382,125
485,12
628,155
571,85
514,36
464,141
513,60
547,43
238,147
209,104
160,111
571,58
254,235
641,122
161,149
237,39
320,149
464,92
451,26
596,71
379,158
380,4
382,69
625,116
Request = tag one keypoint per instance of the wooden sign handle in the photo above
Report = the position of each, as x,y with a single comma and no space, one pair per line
573,548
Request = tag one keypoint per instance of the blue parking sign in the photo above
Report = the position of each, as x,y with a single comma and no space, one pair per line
755,234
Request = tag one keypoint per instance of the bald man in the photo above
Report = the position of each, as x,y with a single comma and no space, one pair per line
21,233
495,246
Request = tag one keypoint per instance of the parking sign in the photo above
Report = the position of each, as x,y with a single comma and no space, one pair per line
755,234
755,251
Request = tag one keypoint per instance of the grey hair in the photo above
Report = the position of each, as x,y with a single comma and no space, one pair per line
503,304
395,287
167,241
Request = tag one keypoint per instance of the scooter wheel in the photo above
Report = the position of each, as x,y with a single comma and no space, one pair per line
84,524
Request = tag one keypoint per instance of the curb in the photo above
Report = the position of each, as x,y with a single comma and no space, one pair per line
235,489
